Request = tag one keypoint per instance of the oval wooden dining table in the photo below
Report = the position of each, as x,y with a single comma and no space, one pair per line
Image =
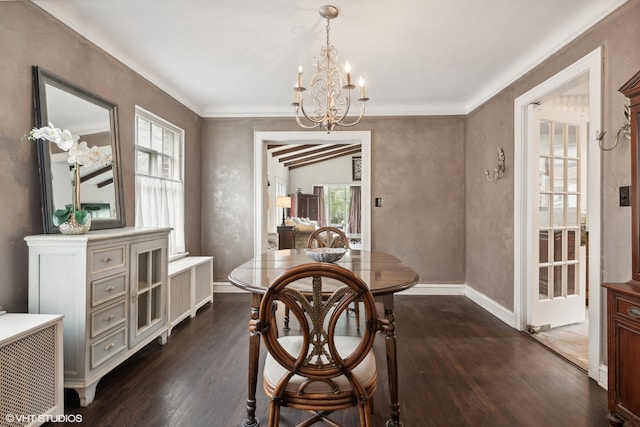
385,275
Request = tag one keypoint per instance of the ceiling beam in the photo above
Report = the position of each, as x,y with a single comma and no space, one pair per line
321,158
95,173
292,149
316,151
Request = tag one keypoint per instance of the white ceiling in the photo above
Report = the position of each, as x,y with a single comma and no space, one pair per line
240,58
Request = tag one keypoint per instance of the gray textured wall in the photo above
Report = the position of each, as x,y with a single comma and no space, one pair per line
490,234
29,36
417,168
439,214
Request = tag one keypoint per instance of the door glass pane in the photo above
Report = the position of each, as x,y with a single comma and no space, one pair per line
557,281
544,246
558,139
543,283
156,266
142,270
572,176
143,309
545,174
572,235
558,176
557,245
571,279
558,210
156,303
544,210
572,141
545,139
573,213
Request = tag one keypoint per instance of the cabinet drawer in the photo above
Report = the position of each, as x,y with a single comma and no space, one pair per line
107,318
107,347
629,308
107,259
107,289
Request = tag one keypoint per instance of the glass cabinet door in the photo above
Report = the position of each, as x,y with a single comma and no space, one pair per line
148,289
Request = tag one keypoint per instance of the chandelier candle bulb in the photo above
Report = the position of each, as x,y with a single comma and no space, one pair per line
297,91
361,83
347,69
299,77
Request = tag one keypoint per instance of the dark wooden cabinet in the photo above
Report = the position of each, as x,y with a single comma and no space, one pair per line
286,237
304,206
623,330
623,299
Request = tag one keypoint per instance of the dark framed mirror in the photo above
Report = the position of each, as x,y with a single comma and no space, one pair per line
95,120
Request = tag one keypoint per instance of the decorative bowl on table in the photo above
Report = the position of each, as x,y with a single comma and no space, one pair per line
325,254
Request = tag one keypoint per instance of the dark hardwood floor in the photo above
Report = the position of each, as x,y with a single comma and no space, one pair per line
458,366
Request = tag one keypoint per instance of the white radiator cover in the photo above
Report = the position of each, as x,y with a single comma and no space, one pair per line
31,373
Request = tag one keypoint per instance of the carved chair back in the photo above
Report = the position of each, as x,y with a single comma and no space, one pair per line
318,368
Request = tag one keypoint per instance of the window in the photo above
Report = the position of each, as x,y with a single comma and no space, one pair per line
337,205
159,177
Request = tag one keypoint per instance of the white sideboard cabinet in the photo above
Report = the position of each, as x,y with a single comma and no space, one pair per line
111,287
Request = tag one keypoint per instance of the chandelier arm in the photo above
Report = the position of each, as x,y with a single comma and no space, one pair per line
346,125
345,109
314,119
317,122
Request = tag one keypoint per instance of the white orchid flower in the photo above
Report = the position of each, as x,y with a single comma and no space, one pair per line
78,153
48,133
67,140
93,157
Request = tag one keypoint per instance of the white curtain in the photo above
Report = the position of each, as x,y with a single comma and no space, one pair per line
159,203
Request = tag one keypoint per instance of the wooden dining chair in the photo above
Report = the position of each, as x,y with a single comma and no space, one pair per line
319,370
328,237
332,237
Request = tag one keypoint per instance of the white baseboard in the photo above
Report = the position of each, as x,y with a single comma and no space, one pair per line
603,376
492,307
436,289
226,288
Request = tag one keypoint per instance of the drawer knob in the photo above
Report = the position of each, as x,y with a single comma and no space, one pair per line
110,346
110,288
109,317
634,312
107,259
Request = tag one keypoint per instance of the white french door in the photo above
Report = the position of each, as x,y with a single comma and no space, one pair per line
557,285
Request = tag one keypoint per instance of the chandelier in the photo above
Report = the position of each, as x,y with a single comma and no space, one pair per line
329,90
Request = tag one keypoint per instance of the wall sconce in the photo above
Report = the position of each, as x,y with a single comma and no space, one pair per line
283,202
624,130
498,172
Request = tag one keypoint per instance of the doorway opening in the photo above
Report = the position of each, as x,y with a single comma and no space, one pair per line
262,139
557,213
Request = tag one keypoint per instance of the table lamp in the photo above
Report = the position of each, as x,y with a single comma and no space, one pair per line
283,202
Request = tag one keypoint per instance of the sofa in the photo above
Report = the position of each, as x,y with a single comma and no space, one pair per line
303,227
